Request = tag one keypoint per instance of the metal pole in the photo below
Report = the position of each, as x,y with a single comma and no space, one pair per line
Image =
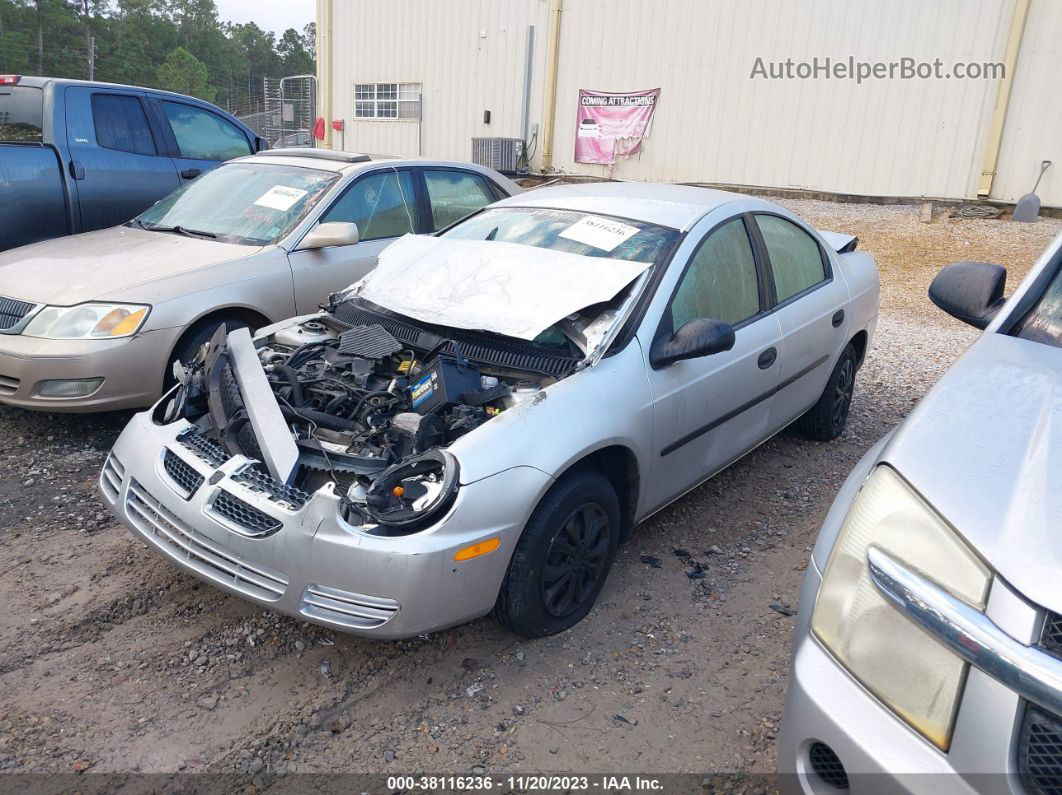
529,57
552,58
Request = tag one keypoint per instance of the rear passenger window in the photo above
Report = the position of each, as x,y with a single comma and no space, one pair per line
202,135
455,194
121,124
721,282
796,258
382,205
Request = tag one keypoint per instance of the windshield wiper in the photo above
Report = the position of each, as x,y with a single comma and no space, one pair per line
180,230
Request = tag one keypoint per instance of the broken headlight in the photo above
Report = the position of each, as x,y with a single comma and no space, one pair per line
409,494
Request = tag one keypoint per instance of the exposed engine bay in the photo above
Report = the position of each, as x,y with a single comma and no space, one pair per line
371,406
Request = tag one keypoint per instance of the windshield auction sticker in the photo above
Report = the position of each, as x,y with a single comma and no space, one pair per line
280,197
601,233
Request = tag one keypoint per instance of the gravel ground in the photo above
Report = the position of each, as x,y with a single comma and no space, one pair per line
111,660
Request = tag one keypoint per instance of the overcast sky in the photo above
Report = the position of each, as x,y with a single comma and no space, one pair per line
274,15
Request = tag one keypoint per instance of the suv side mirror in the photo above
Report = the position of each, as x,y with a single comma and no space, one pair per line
332,233
970,291
260,144
700,337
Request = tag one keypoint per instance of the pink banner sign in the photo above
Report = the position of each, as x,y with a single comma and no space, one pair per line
609,126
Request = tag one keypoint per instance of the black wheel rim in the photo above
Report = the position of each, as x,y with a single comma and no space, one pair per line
842,396
575,561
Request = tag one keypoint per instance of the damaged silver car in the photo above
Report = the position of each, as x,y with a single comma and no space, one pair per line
479,423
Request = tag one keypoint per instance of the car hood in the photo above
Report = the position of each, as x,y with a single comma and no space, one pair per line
985,450
102,264
484,285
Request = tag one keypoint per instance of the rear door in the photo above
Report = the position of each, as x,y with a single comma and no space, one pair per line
811,305
454,193
199,138
117,159
384,205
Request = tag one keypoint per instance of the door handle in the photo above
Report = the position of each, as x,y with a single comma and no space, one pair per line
77,170
838,318
191,173
767,358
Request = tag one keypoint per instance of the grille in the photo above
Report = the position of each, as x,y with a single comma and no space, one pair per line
203,448
255,479
501,154
12,311
246,516
1040,752
827,766
199,553
111,478
348,609
1051,637
183,475
8,385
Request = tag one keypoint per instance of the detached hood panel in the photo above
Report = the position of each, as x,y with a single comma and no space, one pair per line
484,285
985,449
102,264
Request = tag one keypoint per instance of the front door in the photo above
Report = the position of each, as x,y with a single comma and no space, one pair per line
710,410
384,206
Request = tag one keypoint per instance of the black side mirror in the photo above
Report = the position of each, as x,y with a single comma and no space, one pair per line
970,291
260,144
697,338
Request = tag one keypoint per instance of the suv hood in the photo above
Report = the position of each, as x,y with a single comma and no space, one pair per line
97,265
484,285
985,450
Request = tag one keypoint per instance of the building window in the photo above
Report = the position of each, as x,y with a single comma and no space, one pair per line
387,101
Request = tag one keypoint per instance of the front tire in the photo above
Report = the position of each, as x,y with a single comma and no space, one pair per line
826,420
563,557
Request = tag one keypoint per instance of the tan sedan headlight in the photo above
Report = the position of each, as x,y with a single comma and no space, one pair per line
87,321
905,668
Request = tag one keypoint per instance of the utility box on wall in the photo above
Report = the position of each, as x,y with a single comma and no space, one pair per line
501,154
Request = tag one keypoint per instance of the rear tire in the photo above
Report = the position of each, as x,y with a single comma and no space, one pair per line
562,558
826,420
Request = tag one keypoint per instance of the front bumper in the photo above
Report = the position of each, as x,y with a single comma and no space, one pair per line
307,562
131,369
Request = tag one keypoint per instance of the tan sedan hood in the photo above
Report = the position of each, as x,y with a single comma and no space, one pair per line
105,264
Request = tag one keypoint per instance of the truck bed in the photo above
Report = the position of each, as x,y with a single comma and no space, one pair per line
34,205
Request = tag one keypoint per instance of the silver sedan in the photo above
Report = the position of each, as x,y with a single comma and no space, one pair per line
928,651
478,424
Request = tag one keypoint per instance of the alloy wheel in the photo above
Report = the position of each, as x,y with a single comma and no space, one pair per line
576,560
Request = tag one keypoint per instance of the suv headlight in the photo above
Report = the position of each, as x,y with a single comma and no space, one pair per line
905,668
87,321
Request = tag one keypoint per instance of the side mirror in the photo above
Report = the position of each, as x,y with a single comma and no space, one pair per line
333,233
695,339
970,291
260,144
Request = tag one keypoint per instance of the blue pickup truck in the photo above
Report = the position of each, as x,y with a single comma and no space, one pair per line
77,156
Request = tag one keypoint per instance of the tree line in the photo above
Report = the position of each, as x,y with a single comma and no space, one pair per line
177,45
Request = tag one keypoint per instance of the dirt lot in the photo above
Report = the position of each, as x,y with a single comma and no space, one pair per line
111,660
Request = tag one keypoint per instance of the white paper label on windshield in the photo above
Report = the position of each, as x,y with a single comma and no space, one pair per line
280,197
599,232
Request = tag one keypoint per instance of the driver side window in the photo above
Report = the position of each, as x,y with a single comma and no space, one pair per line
721,281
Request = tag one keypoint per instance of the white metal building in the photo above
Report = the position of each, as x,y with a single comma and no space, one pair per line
422,76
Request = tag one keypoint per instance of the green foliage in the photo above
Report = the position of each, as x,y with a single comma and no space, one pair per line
184,73
180,45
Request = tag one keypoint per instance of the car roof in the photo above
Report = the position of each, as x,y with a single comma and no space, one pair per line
348,162
36,81
676,206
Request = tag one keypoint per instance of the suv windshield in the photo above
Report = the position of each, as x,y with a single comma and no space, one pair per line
21,114
571,231
248,203
1043,323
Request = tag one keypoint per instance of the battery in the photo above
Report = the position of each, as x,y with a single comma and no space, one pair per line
442,383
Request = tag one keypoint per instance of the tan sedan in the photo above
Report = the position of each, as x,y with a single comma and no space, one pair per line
95,321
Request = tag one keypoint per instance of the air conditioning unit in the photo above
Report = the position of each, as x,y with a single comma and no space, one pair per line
501,154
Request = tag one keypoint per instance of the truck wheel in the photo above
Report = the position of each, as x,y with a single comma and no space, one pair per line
562,558
825,420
